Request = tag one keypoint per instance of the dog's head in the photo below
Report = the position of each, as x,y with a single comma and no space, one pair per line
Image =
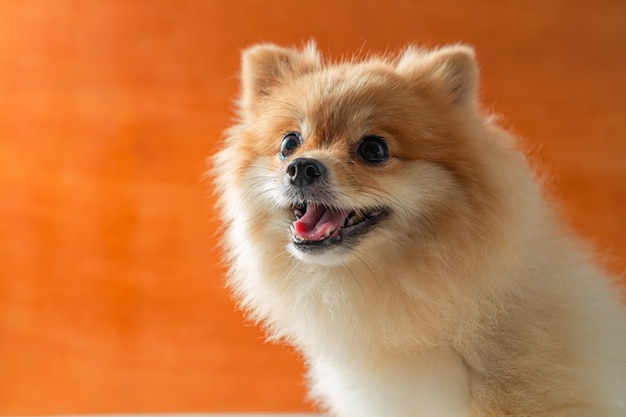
349,160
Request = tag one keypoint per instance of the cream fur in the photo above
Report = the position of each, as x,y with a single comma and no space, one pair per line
469,299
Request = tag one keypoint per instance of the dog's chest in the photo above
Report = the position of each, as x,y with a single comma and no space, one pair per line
437,385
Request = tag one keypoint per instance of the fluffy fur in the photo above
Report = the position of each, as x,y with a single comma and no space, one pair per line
467,298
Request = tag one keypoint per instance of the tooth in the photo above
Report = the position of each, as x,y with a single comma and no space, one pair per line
327,233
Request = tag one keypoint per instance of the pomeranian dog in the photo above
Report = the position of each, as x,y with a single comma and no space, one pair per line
380,222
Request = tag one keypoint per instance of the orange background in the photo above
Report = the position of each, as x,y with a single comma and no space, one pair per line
111,297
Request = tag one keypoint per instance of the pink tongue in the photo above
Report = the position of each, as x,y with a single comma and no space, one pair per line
318,223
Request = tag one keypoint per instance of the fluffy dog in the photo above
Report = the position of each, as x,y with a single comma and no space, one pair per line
377,220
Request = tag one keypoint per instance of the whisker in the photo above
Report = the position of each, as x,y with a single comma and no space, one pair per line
356,255
355,279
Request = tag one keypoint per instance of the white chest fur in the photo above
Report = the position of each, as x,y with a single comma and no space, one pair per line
436,385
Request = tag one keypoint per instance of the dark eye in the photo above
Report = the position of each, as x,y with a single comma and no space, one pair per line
373,149
290,143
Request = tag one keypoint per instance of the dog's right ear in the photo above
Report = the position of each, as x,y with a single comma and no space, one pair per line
264,66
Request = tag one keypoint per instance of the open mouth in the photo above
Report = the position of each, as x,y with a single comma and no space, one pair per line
320,225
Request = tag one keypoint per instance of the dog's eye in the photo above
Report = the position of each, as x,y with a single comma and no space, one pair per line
290,143
373,149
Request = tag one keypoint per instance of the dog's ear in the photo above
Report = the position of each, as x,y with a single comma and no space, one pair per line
264,66
450,71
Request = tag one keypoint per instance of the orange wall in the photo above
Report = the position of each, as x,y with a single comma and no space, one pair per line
111,297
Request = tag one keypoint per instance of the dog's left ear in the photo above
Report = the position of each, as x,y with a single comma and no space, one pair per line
265,66
450,71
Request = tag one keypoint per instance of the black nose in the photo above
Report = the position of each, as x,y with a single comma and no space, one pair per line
305,171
